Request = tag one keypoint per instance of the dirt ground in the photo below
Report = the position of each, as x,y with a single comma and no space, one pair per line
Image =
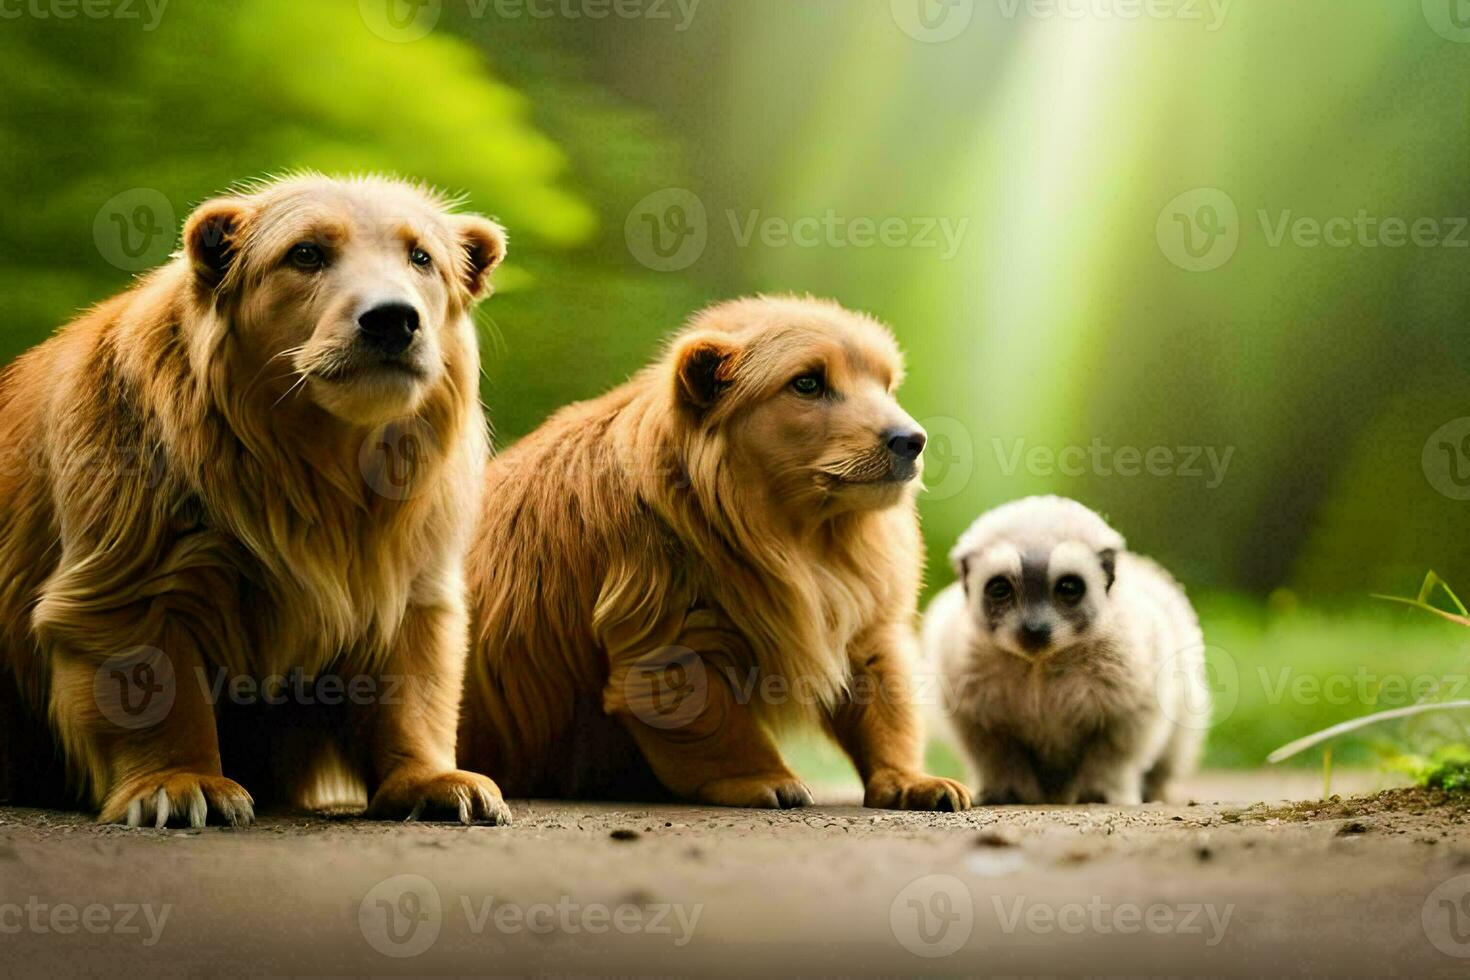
1372,885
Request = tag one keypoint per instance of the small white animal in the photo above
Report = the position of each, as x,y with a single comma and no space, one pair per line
1072,670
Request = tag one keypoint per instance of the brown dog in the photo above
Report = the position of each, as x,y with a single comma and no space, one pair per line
233,505
725,543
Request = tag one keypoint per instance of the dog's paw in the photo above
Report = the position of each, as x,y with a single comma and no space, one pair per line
779,791
178,799
893,790
454,796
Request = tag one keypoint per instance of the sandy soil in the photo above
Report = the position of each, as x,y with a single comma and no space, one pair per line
1372,886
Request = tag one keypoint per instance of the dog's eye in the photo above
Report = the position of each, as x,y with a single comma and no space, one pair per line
1070,588
998,589
809,385
419,257
307,256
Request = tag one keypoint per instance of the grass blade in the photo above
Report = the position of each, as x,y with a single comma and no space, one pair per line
1316,738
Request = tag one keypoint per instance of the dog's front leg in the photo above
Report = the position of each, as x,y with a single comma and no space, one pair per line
413,723
701,739
878,726
142,726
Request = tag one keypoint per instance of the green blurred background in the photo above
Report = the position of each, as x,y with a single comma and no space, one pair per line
1037,170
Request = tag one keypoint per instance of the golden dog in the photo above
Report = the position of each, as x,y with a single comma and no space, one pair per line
233,516
664,575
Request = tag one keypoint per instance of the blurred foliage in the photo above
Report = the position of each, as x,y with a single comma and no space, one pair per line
1051,143
1054,143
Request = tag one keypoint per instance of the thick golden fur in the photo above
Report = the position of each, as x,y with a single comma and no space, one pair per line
194,467
705,523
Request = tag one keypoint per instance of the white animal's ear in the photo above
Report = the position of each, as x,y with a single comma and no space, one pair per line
1109,559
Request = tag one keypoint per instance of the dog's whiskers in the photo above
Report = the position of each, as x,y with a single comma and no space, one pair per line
305,376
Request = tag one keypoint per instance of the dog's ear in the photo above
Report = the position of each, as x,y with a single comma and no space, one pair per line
705,368
1109,559
212,238
483,243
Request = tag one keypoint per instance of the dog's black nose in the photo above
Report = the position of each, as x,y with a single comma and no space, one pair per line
1035,636
905,443
390,327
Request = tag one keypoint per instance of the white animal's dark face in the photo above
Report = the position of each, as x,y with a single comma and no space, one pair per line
1036,603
